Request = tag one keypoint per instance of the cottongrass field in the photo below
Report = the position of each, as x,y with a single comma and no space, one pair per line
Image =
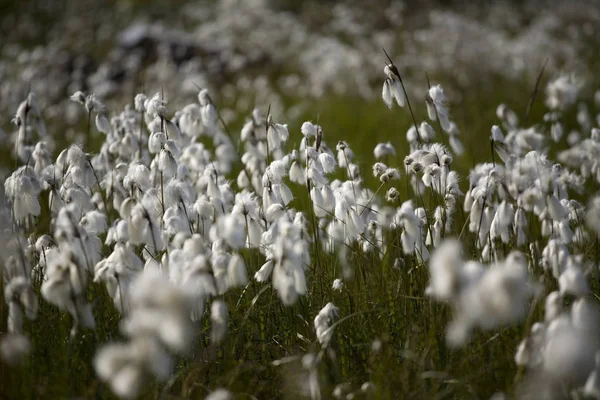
169,256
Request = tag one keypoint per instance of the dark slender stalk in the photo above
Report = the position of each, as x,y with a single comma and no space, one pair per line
162,192
147,216
480,222
314,220
141,156
89,126
186,216
100,189
162,120
123,313
267,133
535,91
371,199
17,143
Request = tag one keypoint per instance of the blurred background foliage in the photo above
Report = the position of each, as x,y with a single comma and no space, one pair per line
311,60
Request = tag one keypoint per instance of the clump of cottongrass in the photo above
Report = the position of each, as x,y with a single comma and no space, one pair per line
562,92
160,309
117,272
21,299
22,189
93,105
412,234
480,297
22,302
562,348
447,276
28,119
508,116
384,150
182,229
568,348
277,135
65,286
159,323
287,257
125,367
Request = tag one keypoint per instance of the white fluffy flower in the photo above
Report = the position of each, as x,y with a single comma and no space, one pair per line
436,106
324,322
562,92
392,89
338,285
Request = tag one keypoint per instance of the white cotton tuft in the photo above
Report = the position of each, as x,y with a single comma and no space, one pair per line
497,135
264,272
218,317
323,323
309,129
102,124
555,208
386,93
572,281
236,272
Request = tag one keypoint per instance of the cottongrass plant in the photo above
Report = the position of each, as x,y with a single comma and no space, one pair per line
180,255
